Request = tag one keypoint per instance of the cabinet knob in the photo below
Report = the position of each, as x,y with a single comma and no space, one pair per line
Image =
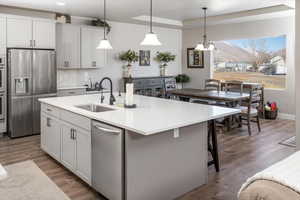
66,64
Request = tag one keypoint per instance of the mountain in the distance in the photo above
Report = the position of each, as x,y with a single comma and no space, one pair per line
226,52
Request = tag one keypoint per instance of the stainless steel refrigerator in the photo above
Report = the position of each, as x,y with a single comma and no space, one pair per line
31,75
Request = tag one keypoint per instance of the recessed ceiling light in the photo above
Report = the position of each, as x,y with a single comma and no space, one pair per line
60,3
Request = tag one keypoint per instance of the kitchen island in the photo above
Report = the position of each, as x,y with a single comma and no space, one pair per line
155,151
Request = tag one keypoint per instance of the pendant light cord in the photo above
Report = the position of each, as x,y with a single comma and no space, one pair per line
104,20
205,34
151,13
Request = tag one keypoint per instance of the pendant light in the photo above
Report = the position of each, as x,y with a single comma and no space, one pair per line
151,38
205,45
104,44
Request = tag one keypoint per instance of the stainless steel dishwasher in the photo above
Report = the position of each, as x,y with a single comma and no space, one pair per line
108,160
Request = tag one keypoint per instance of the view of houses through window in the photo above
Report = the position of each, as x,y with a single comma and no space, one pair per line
260,60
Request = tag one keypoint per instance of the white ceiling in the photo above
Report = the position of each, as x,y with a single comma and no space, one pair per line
126,10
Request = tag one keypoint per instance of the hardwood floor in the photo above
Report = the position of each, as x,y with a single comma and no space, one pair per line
241,157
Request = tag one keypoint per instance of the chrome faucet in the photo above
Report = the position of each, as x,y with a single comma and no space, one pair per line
112,99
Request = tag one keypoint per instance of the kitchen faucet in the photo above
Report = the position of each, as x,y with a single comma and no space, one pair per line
112,99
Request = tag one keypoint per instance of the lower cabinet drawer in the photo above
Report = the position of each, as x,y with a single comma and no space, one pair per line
50,110
75,119
71,92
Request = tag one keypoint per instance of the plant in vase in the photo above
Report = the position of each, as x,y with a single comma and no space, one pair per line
130,57
182,78
164,58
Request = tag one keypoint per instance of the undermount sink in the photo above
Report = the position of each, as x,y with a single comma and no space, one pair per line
94,108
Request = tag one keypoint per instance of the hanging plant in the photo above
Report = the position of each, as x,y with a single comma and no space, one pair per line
100,23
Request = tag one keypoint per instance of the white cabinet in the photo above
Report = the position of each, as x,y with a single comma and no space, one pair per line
2,31
68,46
68,146
19,32
90,55
30,32
67,138
50,136
76,150
43,33
83,154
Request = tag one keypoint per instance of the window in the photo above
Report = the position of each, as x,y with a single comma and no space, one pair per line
260,60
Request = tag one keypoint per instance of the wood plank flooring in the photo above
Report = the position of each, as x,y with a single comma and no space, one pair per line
241,157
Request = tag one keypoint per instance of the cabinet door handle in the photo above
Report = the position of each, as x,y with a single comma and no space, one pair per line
74,134
71,134
34,43
31,43
48,122
66,63
94,64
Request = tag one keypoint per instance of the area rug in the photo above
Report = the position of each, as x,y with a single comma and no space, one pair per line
26,181
291,142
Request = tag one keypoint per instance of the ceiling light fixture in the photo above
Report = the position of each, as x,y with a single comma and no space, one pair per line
104,44
151,38
205,45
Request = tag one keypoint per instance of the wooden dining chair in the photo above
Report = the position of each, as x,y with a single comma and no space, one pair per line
234,86
250,109
212,84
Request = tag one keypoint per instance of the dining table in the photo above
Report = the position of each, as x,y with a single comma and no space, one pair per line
230,98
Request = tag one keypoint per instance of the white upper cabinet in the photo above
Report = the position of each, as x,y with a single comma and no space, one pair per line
68,46
43,33
2,31
90,55
19,32
30,32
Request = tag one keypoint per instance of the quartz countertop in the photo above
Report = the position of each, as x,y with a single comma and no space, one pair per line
152,115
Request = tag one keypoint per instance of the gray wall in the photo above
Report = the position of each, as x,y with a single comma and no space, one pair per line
126,36
297,73
254,29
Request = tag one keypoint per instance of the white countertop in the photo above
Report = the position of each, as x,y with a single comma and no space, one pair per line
152,115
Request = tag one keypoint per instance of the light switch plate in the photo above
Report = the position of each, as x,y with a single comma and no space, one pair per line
176,133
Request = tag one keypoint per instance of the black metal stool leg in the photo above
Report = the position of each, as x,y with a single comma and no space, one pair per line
213,148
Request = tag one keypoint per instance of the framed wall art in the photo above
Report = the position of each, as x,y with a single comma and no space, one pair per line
145,58
195,59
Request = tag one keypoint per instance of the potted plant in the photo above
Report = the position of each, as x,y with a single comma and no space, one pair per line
182,78
130,57
164,58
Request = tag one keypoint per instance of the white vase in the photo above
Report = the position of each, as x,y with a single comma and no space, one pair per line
163,69
127,71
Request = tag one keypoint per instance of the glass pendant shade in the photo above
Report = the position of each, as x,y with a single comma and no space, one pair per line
200,47
104,44
208,47
151,40
205,45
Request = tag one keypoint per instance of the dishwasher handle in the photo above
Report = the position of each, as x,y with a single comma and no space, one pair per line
106,130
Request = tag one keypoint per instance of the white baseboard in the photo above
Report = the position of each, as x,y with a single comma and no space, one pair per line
286,116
